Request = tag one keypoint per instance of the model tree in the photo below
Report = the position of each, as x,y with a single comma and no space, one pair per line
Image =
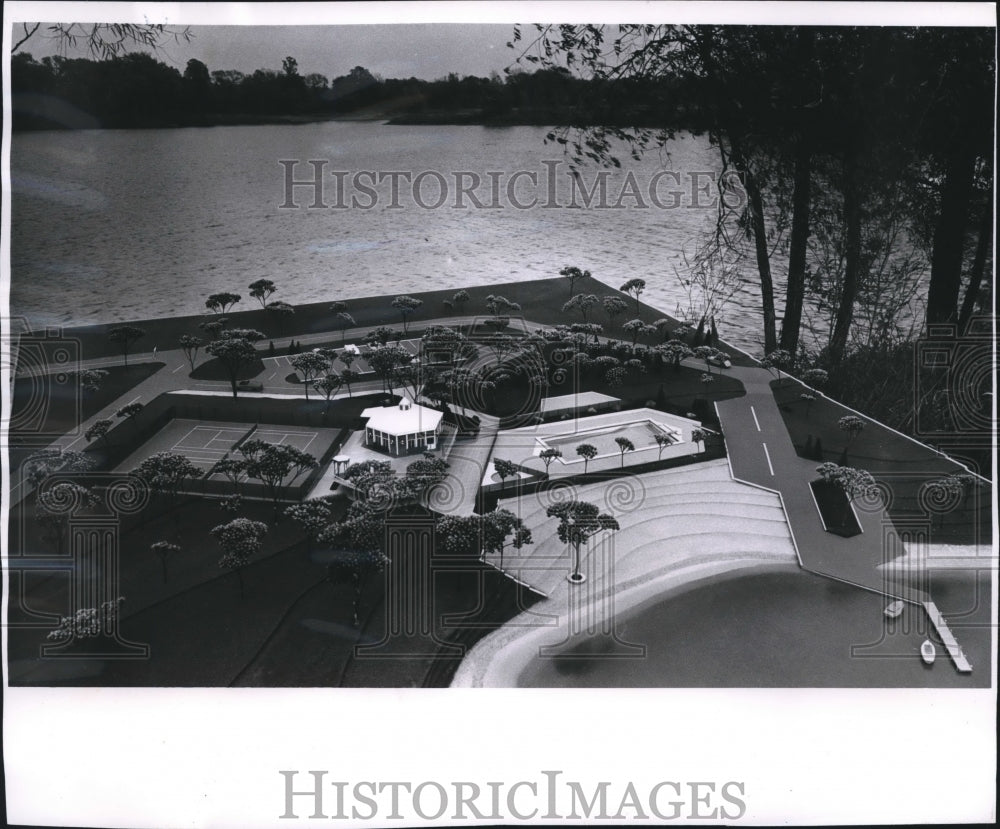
588,452
505,469
190,346
328,386
499,526
583,303
549,455
261,289
222,302
235,350
573,274
624,445
662,442
406,305
164,550
125,336
579,521
634,287
100,429
310,365
240,540
130,411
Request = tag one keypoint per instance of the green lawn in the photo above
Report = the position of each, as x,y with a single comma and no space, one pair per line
48,406
904,465
291,627
540,299
680,388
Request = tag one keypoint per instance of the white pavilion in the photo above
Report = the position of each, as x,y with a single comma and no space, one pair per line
402,429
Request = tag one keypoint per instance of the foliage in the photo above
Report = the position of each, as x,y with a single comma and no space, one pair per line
424,473
99,429
165,472
673,351
380,335
222,302
578,522
505,469
588,452
235,349
777,360
815,377
500,525
91,378
261,289
235,469
549,455
459,534
190,346
699,435
635,287
583,303
272,463
624,445
87,622
385,360
240,540
663,441
852,425
164,550
853,482
573,274
51,512
310,365
406,305
125,335
313,516
40,465
130,410
328,386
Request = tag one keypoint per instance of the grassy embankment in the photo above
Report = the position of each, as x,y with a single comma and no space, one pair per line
902,464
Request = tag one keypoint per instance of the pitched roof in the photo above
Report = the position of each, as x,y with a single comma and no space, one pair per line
402,420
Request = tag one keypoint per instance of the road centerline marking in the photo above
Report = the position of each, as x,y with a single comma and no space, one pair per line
756,423
768,456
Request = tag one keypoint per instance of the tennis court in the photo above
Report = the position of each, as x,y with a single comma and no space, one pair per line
205,443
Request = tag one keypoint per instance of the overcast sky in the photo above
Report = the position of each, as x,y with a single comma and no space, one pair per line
397,51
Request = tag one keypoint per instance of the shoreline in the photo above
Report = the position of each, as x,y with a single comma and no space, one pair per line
544,297
501,659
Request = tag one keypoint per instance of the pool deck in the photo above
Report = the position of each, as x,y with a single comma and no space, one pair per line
523,445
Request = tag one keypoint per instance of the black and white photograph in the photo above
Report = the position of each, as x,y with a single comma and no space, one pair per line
619,378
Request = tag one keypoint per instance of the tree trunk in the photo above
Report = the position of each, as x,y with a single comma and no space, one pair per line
852,258
792,320
949,236
756,205
978,268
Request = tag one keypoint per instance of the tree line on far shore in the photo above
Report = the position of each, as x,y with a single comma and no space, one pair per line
136,90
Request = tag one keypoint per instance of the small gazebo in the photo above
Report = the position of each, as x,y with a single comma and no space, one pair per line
404,428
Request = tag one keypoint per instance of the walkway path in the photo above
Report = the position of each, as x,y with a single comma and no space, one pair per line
469,458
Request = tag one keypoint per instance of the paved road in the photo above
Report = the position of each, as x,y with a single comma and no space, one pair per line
761,452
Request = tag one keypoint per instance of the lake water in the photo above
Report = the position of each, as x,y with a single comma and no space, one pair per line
784,630
116,225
